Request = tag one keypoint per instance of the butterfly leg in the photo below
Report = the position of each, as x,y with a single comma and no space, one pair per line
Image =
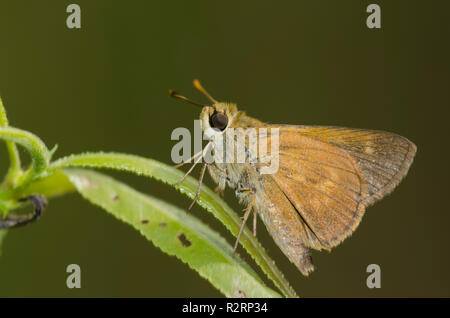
39,204
247,212
200,181
194,157
186,174
190,170
199,158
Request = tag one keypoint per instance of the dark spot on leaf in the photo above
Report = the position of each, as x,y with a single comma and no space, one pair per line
115,197
144,221
239,294
162,224
184,240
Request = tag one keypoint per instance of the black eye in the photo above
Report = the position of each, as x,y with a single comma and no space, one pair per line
219,121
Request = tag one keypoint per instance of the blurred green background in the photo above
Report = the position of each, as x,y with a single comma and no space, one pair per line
104,87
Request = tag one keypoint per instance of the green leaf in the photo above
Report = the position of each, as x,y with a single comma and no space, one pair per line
174,231
51,186
208,200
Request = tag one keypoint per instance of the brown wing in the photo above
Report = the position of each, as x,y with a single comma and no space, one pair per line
331,174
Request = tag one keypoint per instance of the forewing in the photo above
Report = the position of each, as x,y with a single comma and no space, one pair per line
331,174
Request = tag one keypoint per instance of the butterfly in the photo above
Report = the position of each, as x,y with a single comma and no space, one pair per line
326,178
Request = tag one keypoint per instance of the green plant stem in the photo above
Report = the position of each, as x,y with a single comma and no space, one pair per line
15,169
39,153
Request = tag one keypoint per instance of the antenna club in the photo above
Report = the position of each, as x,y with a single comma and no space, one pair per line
174,94
197,84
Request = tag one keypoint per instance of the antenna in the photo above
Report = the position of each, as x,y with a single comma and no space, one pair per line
176,95
199,86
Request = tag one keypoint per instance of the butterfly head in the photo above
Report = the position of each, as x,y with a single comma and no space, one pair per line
215,119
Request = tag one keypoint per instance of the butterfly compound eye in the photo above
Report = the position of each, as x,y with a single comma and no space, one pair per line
219,121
